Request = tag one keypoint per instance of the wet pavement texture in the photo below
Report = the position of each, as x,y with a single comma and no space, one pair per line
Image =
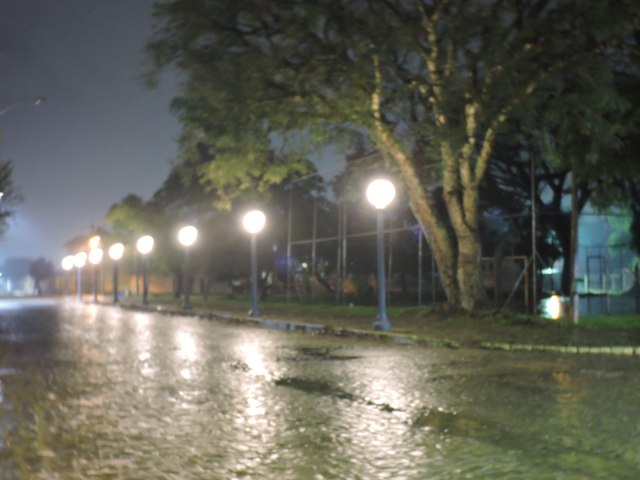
97,392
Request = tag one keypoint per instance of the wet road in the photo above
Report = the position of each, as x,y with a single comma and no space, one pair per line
96,392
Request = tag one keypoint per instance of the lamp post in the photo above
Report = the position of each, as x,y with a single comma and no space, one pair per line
95,257
79,260
144,246
115,253
253,222
380,194
67,265
187,236
32,101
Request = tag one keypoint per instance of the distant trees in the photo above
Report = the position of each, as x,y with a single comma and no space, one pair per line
15,269
584,147
430,84
508,192
8,195
40,270
131,217
222,247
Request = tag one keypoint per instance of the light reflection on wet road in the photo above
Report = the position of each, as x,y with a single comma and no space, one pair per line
97,392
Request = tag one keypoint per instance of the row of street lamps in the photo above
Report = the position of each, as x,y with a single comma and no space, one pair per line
254,221
380,193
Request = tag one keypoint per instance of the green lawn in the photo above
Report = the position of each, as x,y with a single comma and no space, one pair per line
610,321
320,311
437,322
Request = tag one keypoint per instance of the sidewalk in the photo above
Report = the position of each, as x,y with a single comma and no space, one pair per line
414,326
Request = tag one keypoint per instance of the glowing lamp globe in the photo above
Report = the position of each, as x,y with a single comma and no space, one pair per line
145,244
68,262
254,221
94,242
80,259
95,256
116,251
187,235
554,307
381,193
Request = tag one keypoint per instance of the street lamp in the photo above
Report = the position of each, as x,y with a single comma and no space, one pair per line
32,101
94,242
95,257
187,237
253,222
115,253
67,265
144,246
79,260
380,194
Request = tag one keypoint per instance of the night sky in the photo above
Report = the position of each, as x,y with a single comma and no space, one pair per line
100,135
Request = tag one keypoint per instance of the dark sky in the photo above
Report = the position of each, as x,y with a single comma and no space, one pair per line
100,134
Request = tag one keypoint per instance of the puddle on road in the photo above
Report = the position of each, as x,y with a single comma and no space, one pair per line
315,387
238,402
300,353
325,389
442,421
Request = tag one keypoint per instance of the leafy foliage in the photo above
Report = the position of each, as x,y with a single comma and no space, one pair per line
430,84
131,217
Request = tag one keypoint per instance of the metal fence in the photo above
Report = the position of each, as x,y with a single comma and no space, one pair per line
341,267
338,264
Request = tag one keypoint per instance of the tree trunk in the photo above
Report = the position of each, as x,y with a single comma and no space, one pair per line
457,252
566,275
560,224
469,272
461,198
636,287
178,285
574,239
438,235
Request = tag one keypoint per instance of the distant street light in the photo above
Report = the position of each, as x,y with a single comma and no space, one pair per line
95,257
380,194
79,260
253,222
144,246
94,242
67,265
187,236
28,101
115,253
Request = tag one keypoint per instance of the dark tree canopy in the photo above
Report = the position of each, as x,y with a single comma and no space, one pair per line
430,84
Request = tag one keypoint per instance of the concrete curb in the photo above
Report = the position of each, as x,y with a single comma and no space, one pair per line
601,350
398,338
317,329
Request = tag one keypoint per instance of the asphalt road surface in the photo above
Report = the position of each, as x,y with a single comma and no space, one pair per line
97,392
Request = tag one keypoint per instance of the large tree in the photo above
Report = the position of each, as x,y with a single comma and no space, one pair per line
430,83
